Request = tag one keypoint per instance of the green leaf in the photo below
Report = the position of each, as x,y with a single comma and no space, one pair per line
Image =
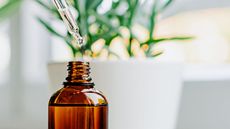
108,39
133,7
166,4
93,4
157,54
49,28
155,41
50,8
151,54
116,4
104,20
9,8
54,32
172,39
80,5
153,18
46,6
112,13
76,5
106,29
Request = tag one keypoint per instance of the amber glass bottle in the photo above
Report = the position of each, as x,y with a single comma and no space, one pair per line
78,105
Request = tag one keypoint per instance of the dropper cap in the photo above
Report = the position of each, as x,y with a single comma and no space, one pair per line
60,4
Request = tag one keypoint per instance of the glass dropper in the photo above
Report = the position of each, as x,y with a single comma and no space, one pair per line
69,21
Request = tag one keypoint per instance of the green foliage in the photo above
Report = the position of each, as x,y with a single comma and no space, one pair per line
107,25
8,8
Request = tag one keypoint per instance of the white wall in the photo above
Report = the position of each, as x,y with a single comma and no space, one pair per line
189,5
24,96
205,105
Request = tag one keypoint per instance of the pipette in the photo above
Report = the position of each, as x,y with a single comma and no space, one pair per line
68,19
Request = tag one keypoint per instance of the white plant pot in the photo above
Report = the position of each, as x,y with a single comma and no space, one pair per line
141,94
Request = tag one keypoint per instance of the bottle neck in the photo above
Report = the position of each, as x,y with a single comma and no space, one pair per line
78,74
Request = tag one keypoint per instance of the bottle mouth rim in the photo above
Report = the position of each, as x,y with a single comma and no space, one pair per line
78,74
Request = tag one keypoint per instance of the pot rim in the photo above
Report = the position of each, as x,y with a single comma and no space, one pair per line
132,60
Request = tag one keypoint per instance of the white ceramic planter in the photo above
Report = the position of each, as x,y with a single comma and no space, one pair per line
141,94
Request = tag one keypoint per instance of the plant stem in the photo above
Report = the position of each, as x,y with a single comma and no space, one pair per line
129,47
152,20
132,13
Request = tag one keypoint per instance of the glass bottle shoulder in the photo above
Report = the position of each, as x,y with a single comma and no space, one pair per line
78,95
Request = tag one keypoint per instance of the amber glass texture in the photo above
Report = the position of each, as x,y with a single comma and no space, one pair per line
78,105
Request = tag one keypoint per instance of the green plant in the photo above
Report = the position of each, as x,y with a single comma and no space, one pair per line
8,8
107,26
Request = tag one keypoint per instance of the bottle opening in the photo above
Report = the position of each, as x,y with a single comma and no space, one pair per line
79,74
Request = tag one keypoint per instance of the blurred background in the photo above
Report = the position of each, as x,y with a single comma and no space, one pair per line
26,48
